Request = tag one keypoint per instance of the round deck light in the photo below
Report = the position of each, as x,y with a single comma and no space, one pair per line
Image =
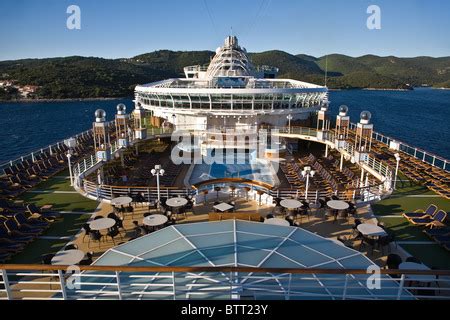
121,108
100,115
365,117
343,110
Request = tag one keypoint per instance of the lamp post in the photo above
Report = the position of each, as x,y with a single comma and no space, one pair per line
289,117
70,143
397,157
307,172
158,171
173,120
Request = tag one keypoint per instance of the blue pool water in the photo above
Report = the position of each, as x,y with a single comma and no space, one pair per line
420,118
253,170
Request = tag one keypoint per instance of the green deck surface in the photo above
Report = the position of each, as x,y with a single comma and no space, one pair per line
432,255
37,248
389,212
70,225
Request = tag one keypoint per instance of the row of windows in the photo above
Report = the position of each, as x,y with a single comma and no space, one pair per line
236,105
245,102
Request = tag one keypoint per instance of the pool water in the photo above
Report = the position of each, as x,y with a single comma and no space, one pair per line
254,169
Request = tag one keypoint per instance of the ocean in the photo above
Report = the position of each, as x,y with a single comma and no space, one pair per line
420,118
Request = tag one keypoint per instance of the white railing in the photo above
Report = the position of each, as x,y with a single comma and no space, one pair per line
420,154
362,193
53,148
108,192
41,282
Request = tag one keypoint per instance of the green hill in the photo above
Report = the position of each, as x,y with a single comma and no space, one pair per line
89,77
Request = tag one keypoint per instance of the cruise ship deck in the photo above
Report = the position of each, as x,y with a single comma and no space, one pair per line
297,204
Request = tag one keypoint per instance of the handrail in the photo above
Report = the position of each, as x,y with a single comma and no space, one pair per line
232,180
26,267
410,150
48,148
107,191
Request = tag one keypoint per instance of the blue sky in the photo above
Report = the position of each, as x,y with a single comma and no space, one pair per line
119,28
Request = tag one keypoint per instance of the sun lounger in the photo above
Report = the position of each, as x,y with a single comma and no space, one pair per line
440,217
428,213
437,232
442,239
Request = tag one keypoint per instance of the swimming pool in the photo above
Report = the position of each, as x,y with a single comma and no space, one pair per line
258,170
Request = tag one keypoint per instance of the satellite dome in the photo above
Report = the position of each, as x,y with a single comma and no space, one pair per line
121,108
343,110
100,115
365,116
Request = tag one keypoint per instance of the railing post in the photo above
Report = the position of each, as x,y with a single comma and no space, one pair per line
400,287
119,289
62,283
289,287
174,290
6,284
344,293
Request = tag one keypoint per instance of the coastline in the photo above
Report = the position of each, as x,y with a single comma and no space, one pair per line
131,97
63,100
387,89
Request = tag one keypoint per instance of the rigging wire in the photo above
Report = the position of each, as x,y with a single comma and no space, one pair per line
211,17
262,8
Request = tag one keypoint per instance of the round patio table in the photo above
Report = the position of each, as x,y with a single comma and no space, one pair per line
290,203
372,230
416,277
277,221
154,220
102,224
338,205
176,202
121,201
68,257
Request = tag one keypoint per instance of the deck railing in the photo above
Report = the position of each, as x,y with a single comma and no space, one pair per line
47,282
420,154
33,155
363,193
108,192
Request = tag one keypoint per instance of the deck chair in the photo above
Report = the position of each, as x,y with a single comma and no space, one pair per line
46,216
437,232
444,239
429,212
440,217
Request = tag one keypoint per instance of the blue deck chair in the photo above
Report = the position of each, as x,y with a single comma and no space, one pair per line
440,217
437,232
428,213
442,239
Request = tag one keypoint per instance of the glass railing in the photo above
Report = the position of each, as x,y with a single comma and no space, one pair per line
96,282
